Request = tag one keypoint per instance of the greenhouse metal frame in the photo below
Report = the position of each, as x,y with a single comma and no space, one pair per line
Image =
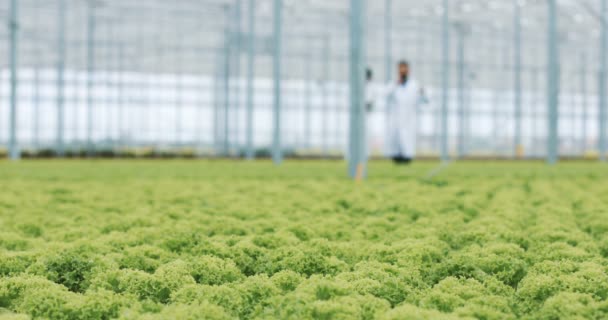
233,78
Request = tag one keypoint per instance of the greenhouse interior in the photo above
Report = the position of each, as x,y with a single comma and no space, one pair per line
201,77
312,159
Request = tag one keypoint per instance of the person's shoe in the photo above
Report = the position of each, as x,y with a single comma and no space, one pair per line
404,161
401,160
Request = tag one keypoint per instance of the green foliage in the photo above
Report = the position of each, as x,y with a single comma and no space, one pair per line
411,312
156,287
202,311
13,263
41,298
214,271
145,258
217,240
69,268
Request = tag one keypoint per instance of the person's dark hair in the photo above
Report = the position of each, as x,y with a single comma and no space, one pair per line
404,63
369,74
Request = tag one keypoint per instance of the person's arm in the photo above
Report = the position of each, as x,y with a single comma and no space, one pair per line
370,97
422,97
388,93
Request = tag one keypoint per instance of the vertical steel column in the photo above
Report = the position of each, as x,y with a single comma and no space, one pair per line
200,118
338,123
61,78
108,42
573,114
388,45
517,78
76,102
308,100
469,78
445,78
178,92
36,94
237,38
142,117
14,152
90,76
357,141
250,79
217,102
226,86
461,88
136,88
420,43
501,95
36,109
496,101
277,154
553,79
584,102
535,108
202,88
602,81
121,107
2,85
325,113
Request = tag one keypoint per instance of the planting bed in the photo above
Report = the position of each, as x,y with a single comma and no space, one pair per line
230,240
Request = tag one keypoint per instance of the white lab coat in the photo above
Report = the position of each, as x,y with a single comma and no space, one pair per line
403,102
370,104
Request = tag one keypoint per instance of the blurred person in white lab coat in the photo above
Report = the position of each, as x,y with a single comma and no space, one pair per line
371,96
404,98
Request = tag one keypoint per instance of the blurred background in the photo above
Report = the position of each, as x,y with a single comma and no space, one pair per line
225,78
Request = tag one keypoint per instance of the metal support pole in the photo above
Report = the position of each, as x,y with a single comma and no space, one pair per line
502,62
357,141
136,129
602,82
496,104
308,101
337,128
584,102
179,95
388,45
217,102
250,79
14,26
201,105
325,114
468,134
61,79
517,79
277,155
461,93
90,75
236,68
36,93
75,110
445,78
108,43
226,90
36,109
121,95
535,109
553,76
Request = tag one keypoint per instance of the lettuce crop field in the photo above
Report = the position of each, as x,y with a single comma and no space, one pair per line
231,240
